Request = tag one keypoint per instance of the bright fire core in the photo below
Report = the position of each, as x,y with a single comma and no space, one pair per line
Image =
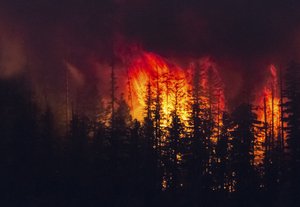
151,76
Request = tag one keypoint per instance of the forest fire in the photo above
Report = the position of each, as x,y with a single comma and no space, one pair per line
155,81
150,103
270,101
174,99
152,76
269,114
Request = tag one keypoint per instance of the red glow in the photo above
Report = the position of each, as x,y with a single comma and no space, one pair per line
174,85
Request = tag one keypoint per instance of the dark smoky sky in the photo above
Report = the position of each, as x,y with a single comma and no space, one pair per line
242,36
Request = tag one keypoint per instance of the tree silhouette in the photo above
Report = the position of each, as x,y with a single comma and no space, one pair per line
292,111
243,150
223,168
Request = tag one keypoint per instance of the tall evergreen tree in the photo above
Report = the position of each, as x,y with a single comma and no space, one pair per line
245,121
222,170
292,111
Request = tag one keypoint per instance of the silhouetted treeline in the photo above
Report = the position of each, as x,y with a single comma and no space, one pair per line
110,159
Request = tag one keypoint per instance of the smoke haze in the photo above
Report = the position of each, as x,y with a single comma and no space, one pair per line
242,37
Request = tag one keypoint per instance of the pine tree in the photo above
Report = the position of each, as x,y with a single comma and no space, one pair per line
123,122
199,154
245,121
292,111
175,133
151,178
223,171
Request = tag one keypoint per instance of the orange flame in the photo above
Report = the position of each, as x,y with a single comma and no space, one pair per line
164,78
271,98
173,85
269,112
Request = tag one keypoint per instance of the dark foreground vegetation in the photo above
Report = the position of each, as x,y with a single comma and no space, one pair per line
123,162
